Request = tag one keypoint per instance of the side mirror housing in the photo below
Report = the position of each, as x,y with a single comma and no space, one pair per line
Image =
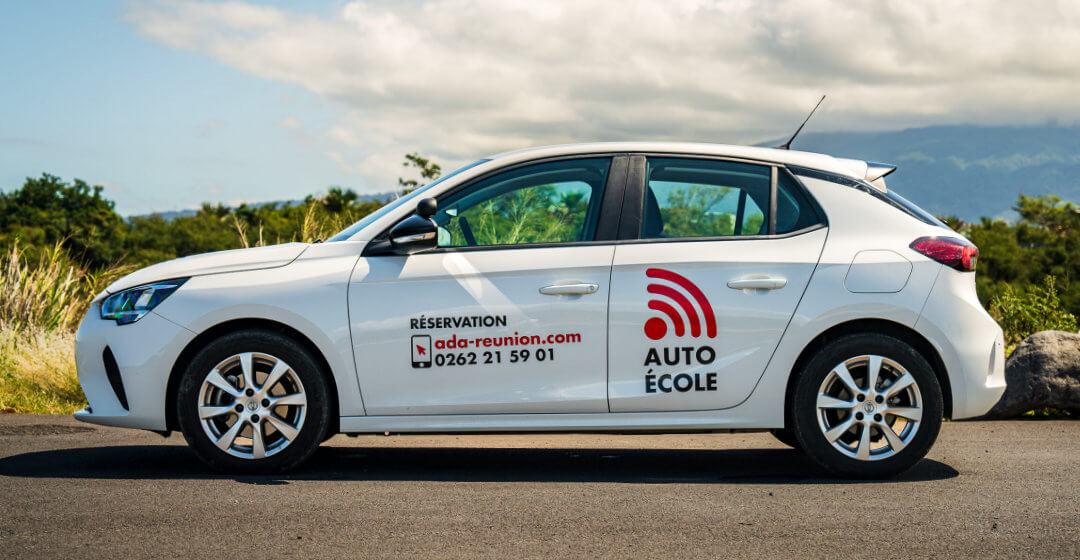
417,232
427,207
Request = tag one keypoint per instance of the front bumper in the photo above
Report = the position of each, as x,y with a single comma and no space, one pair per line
144,353
969,341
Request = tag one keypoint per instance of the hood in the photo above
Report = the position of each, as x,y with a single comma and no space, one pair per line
237,260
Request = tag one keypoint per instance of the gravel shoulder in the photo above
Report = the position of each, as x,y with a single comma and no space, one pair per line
987,490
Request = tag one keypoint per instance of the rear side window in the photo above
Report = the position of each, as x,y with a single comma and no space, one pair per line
703,198
688,198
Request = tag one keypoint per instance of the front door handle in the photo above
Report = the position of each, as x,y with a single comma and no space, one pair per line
758,283
576,289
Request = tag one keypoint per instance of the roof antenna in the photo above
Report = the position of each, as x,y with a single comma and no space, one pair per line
787,145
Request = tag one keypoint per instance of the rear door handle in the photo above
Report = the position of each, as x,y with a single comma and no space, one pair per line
576,289
758,283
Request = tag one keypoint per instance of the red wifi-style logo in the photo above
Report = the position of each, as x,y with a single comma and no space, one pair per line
675,292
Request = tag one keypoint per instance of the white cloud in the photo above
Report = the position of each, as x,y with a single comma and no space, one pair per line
461,78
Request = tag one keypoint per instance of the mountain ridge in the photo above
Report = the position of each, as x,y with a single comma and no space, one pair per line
968,171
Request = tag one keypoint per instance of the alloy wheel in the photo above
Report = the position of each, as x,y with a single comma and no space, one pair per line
252,405
869,407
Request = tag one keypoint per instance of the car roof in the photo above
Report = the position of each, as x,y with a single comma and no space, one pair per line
848,167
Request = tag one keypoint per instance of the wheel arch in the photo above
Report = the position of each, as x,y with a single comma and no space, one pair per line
881,326
236,325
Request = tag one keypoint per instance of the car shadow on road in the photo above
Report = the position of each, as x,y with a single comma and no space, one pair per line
641,466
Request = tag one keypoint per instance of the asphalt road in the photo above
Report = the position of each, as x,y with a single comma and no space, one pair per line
988,490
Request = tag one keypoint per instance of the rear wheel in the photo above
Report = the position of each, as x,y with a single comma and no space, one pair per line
867,406
253,401
787,437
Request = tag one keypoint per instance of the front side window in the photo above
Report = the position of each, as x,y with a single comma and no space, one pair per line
705,198
552,202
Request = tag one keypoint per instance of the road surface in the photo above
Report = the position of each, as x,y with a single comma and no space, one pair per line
987,490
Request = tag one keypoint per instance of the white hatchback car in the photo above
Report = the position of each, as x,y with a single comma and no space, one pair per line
628,287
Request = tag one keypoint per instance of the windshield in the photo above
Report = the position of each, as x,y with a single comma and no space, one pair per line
390,206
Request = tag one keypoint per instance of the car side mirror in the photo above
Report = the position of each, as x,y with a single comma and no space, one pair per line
417,232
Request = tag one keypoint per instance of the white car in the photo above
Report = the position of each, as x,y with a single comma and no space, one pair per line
624,287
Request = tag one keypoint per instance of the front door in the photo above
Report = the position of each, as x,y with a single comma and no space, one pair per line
509,314
699,302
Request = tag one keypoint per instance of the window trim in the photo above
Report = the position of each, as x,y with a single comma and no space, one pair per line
787,235
773,174
634,200
611,202
620,242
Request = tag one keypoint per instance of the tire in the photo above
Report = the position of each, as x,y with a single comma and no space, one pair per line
292,411
787,437
910,407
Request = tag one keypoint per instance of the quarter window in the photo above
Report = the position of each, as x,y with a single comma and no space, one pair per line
794,211
553,202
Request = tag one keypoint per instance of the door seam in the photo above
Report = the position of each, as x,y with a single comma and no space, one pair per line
607,331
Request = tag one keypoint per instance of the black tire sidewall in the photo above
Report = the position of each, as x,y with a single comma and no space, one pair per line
787,437
804,405
306,367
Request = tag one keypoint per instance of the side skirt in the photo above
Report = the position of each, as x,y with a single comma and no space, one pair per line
705,421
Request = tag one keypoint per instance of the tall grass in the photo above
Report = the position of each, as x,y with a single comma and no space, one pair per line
37,372
42,299
46,293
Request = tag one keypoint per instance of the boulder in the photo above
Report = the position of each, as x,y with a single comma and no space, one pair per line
1043,371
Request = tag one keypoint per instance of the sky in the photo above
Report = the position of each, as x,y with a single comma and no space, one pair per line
170,104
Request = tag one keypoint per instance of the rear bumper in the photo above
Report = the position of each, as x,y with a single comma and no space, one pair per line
969,341
144,353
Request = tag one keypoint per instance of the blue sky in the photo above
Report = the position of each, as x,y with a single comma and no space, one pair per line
86,96
169,103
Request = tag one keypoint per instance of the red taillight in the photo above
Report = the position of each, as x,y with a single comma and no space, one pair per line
949,251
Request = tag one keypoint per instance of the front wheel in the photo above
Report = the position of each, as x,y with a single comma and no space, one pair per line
867,406
253,402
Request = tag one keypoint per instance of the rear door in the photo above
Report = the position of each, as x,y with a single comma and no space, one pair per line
722,252
509,314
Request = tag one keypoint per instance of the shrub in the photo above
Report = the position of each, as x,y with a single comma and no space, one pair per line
1023,313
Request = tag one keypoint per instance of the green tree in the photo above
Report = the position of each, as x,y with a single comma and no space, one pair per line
428,170
47,210
1043,241
337,200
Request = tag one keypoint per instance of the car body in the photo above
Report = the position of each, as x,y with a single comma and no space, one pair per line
615,287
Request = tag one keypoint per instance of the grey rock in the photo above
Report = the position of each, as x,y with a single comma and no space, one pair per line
1043,371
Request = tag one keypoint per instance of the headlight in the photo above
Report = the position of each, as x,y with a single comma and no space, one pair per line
130,305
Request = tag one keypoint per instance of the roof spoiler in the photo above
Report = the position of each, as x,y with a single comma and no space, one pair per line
875,170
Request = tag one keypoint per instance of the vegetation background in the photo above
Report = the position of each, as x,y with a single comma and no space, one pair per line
61,242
